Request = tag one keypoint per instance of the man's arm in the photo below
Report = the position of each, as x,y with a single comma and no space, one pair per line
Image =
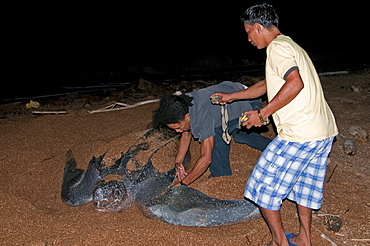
285,95
182,150
254,91
203,162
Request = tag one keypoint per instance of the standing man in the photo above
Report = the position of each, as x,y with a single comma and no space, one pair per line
293,166
194,116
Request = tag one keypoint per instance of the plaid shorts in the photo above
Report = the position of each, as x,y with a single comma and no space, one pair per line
289,170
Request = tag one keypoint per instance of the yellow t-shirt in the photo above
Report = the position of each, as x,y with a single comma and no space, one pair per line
307,117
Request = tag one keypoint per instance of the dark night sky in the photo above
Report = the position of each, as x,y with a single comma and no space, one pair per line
48,38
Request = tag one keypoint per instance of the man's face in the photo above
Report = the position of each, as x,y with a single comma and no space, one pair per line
182,126
254,35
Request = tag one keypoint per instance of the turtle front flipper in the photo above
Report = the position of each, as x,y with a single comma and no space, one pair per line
186,206
78,185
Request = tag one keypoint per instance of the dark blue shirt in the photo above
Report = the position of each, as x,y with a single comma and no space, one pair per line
205,116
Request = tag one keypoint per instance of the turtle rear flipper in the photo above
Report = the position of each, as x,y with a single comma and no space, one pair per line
78,185
72,175
188,207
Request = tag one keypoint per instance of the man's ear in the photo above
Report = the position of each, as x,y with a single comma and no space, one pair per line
258,27
187,117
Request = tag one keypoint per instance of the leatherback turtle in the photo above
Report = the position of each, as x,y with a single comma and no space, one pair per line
130,180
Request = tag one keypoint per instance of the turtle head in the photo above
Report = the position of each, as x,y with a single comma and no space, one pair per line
109,196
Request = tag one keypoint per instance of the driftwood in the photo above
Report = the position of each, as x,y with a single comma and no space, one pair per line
333,73
360,239
119,106
50,112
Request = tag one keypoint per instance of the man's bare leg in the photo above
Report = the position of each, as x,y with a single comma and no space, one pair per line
305,219
275,224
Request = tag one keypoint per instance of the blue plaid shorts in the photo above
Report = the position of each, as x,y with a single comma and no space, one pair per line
289,170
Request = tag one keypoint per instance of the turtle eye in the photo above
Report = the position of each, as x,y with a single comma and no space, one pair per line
108,195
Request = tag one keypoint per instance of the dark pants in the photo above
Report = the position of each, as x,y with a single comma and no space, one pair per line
220,165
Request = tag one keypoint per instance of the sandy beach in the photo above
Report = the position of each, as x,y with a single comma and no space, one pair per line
33,152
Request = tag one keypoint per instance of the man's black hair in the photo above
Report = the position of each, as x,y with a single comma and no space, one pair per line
264,14
172,109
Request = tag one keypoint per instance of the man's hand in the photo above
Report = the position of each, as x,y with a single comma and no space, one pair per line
180,171
254,91
253,119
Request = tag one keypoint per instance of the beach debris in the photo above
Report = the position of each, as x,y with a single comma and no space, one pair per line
333,73
356,88
32,104
358,132
51,112
144,85
361,239
333,223
349,147
328,239
323,234
332,173
119,106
